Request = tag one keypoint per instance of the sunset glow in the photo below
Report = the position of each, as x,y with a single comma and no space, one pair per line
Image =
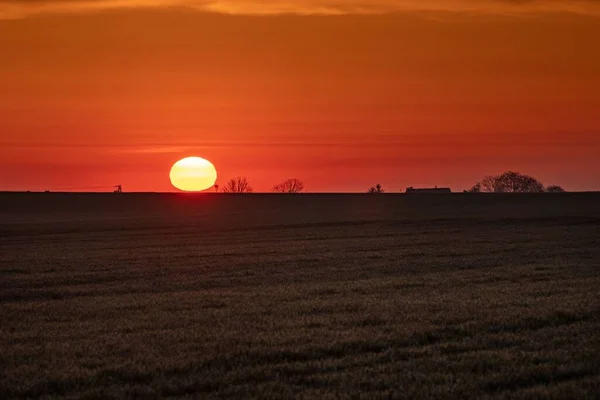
342,95
193,174
299,198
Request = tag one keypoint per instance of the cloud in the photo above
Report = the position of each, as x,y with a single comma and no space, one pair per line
23,8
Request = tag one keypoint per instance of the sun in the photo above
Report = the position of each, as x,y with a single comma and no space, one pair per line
193,174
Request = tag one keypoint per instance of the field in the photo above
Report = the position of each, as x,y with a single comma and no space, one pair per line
307,296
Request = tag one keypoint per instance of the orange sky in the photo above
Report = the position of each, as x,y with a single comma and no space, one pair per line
342,95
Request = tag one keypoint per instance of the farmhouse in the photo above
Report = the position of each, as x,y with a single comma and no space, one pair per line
435,190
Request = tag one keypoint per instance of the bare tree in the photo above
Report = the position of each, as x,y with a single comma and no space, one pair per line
292,185
376,189
237,185
488,184
510,182
514,182
555,189
475,189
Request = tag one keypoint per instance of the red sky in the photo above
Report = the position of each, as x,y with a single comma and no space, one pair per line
342,95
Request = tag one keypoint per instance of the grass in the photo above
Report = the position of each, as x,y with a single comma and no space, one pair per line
316,296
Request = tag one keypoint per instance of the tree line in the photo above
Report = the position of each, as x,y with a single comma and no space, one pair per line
513,182
241,184
508,182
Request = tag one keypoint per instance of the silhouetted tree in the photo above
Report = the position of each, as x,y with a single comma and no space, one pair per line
376,189
289,186
510,182
488,184
475,189
237,185
555,189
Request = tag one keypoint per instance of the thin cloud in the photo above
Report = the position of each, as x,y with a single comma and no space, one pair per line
24,8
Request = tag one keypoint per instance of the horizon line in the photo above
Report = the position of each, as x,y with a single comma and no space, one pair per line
285,194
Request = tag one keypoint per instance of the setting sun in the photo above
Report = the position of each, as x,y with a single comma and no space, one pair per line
193,174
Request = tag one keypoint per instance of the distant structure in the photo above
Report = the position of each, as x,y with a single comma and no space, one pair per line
116,189
435,190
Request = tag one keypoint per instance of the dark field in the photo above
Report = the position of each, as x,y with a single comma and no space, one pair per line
313,296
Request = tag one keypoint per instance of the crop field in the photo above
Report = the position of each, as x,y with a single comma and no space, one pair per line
299,296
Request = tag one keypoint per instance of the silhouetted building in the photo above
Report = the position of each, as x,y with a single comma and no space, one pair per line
436,190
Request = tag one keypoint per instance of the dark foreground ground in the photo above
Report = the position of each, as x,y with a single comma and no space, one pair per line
314,296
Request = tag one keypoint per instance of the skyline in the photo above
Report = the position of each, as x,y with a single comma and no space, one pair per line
340,96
